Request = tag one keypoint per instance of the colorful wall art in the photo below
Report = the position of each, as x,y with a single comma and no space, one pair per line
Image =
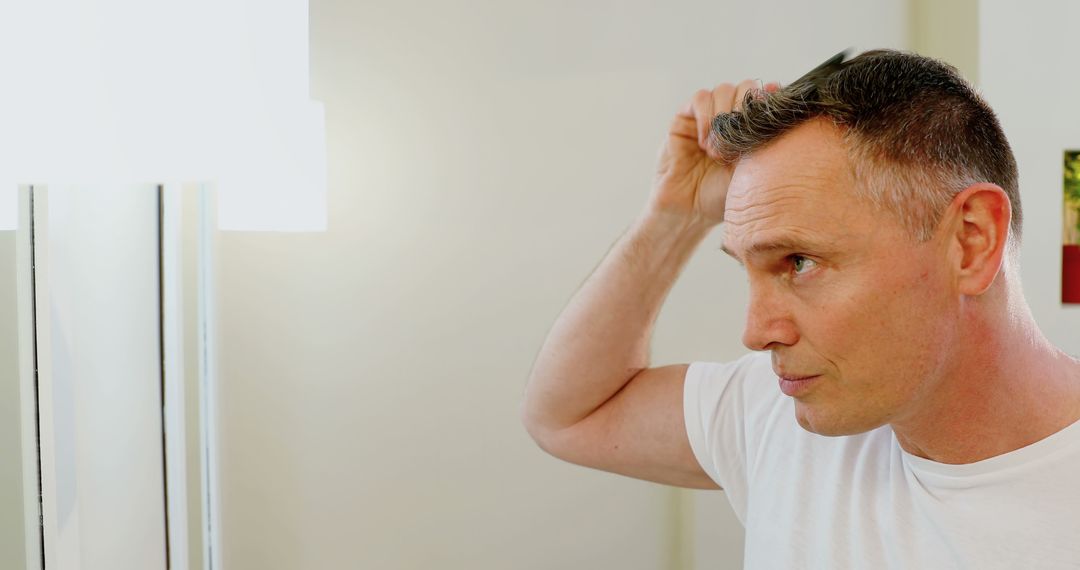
1070,230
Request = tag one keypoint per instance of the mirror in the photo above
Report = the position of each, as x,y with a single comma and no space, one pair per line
350,398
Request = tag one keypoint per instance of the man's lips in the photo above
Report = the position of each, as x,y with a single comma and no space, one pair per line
795,386
794,378
788,373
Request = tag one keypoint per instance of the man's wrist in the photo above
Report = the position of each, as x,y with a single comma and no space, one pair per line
666,233
656,222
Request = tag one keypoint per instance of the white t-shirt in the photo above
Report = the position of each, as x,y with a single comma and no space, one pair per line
810,501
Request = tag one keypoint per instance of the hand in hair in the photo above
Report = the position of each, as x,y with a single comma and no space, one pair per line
691,181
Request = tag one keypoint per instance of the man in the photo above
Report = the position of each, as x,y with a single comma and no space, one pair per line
874,207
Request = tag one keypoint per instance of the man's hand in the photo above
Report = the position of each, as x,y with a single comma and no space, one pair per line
691,181
593,398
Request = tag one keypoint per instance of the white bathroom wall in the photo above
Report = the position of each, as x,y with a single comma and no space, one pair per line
1026,69
483,156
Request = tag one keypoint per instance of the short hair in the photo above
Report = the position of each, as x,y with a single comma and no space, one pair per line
917,133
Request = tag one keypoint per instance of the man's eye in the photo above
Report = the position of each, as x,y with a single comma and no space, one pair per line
802,263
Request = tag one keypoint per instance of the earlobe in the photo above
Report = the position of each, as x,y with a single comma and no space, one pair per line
981,234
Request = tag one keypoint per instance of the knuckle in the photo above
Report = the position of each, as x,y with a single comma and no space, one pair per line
745,87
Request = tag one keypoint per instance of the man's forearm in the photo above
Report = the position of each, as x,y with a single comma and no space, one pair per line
601,339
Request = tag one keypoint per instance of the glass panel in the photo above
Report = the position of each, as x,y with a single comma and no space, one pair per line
12,514
103,343
96,260
20,513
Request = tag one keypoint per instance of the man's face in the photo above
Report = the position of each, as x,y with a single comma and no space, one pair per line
838,288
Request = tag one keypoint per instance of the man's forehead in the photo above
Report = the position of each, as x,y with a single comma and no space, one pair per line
806,200
809,155
793,217
799,190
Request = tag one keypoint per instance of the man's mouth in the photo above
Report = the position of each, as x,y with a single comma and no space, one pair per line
796,386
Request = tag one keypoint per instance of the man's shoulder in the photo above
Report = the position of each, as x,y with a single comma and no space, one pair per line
750,372
751,364
744,388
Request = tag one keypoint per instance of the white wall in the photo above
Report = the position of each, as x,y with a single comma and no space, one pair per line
1026,69
483,156
948,31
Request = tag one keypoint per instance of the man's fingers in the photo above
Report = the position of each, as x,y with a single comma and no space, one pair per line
705,105
741,90
703,114
719,102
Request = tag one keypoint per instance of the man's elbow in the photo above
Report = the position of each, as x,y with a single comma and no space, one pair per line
540,432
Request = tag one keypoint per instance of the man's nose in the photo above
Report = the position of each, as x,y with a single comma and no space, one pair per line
768,322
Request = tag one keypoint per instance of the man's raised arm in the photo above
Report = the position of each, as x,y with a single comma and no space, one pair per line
592,398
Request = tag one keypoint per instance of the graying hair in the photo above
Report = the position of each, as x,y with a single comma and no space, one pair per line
917,133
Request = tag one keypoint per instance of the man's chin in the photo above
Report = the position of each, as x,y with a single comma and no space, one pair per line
824,423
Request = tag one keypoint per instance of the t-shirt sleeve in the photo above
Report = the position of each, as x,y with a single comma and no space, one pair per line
716,402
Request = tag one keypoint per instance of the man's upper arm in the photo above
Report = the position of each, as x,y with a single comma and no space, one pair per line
639,432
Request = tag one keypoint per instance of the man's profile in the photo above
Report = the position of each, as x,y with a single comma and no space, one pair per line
899,407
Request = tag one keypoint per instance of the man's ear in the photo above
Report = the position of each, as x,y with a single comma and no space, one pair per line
980,229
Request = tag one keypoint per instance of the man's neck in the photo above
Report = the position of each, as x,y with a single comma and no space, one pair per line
1007,389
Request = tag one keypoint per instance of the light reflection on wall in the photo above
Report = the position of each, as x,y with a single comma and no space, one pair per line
128,91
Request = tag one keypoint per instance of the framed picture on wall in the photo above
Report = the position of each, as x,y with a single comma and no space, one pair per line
1070,230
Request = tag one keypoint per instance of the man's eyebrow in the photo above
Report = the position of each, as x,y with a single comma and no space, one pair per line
763,247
